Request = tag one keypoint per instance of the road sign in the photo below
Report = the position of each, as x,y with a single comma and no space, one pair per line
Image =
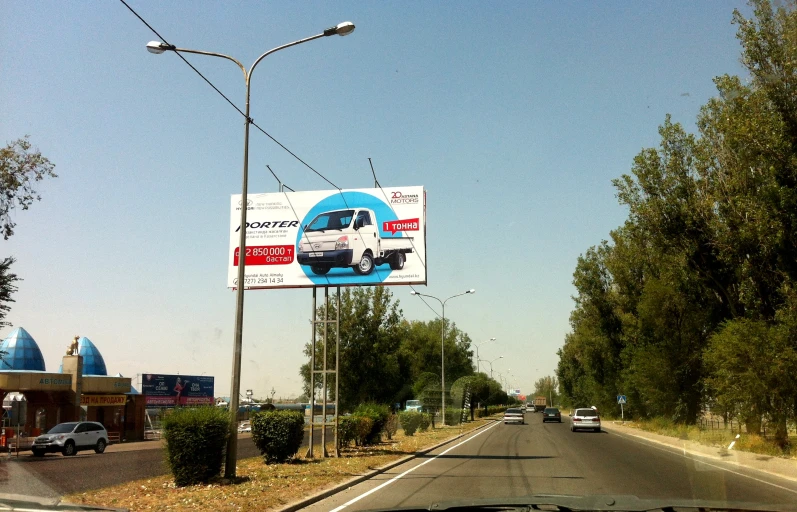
621,399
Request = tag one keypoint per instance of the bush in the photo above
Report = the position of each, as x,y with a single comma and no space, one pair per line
195,441
353,428
425,421
391,426
453,417
410,421
378,414
492,409
347,429
278,434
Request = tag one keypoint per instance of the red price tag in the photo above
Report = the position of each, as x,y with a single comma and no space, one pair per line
267,255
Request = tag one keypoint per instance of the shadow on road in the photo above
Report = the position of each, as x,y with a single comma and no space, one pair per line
487,457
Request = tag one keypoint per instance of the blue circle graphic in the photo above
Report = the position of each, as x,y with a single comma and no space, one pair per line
344,201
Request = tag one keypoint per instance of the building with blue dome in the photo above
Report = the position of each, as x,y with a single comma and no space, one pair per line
22,352
81,390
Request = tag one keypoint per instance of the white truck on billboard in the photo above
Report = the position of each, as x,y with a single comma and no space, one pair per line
351,238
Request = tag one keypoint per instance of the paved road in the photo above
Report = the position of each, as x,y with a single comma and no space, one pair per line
536,458
55,475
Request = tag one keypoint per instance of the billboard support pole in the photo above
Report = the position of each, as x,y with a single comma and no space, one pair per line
337,371
312,379
324,377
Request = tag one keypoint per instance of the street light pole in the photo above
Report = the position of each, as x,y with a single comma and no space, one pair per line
443,349
157,48
491,364
478,367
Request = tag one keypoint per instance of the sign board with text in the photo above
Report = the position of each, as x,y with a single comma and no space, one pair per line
103,400
330,238
173,390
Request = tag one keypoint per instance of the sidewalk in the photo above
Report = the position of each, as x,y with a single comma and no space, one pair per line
778,466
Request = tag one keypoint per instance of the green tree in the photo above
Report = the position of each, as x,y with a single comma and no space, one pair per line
7,288
370,334
20,167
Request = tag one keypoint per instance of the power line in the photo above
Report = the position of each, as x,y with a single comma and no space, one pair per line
249,119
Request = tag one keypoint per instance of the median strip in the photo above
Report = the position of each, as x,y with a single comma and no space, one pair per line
275,486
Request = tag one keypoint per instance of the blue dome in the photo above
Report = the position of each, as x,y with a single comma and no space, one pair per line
22,352
93,363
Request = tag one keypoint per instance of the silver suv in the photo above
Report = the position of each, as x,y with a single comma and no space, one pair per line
69,438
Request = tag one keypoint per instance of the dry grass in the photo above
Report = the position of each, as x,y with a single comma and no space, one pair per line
260,486
719,438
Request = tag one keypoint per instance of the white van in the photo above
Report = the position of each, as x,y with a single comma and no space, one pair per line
349,238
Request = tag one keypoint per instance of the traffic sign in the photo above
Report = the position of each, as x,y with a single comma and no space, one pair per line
621,399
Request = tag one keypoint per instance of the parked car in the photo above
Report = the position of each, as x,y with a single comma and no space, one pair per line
71,437
514,415
586,419
551,414
244,426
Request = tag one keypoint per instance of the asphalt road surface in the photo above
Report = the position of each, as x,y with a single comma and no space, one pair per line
55,475
502,461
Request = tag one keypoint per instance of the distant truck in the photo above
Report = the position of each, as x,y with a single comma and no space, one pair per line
413,405
351,238
540,403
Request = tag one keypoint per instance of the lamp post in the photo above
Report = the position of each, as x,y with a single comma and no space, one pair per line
157,48
442,348
491,363
478,368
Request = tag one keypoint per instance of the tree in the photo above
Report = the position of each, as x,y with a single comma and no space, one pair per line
7,288
20,167
548,387
370,334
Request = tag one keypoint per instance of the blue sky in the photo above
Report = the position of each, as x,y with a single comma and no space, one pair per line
515,116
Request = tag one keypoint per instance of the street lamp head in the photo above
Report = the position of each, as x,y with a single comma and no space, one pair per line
413,292
492,339
472,290
341,29
157,47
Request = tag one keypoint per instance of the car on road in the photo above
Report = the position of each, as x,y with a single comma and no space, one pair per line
551,414
514,415
244,427
530,407
70,438
585,419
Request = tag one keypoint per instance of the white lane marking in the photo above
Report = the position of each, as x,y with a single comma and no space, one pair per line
702,461
427,461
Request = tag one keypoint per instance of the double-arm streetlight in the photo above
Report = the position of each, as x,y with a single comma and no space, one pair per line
491,363
478,368
158,47
442,347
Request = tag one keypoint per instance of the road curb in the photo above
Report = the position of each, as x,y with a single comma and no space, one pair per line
298,505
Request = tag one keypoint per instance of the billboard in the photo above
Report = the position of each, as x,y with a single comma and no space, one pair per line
330,238
173,390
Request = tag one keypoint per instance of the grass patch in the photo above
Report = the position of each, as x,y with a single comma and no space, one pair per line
709,437
260,486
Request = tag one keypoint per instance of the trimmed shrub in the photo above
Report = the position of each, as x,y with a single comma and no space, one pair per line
391,426
453,417
424,422
493,409
347,429
410,420
378,415
195,442
364,427
278,434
